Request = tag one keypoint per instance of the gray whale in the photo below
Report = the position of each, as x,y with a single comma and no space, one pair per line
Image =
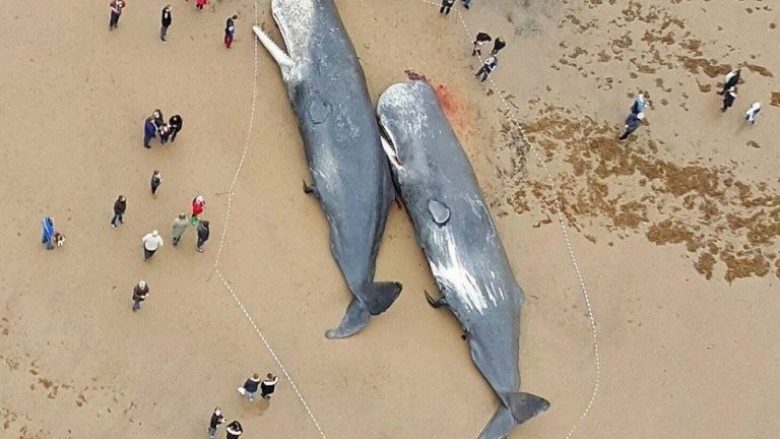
351,179
455,230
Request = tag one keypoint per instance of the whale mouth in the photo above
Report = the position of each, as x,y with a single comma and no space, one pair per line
388,146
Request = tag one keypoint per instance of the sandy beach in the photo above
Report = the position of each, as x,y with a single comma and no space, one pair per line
667,243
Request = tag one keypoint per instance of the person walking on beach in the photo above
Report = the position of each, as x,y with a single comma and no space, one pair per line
268,385
446,5
752,113
639,104
198,204
487,68
203,235
230,30
632,123
166,21
149,131
728,98
234,430
249,389
165,132
466,3
216,420
479,40
201,3
116,7
152,242
120,205
731,79
47,232
176,125
156,181
179,226
497,45
140,292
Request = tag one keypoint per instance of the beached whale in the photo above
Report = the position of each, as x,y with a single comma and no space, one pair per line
351,179
454,228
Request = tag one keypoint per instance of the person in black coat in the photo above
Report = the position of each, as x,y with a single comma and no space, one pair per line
234,430
203,234
446,6
119,211
728,98
166,21
497,45
632,123
481,39
140,292
176,124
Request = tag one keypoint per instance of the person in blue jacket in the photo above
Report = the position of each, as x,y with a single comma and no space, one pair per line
47,232
149,131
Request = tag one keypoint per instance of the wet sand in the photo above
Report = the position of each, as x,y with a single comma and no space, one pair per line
675,231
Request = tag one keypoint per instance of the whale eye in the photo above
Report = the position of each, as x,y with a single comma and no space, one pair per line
439,211
319,110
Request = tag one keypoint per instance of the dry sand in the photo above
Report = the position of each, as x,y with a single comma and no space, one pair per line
675,231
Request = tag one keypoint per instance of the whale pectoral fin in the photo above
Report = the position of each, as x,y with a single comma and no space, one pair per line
521,407
280,56
436,303
381,295
439,212
355,319
311,190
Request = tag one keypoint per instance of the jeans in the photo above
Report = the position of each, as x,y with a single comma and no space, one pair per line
117,217
445,9
136,304
163,32
228,40
201,242
174,131
212,433
148,253
147,138
484,72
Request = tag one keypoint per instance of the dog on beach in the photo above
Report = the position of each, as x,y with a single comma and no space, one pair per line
59,238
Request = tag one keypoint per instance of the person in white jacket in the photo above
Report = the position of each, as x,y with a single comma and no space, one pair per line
152,242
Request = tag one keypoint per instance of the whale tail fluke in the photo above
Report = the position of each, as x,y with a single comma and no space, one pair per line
520,407
355,319
381,295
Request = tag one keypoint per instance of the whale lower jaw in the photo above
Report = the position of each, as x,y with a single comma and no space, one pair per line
280,56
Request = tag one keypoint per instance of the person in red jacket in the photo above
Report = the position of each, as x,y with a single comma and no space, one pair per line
198,203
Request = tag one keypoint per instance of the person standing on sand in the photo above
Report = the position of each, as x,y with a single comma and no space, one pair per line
156,181
632,123
165,132
149,131
203,235
487,68
120,205
234,430
176,124
47,232
151,243
140,292
446,6
728,98
497,45
230,30
752,113
268,385
179,226
639,104
216,420
250,386
731,79
466,3
198,204
166,21
116,7
479,40
201,3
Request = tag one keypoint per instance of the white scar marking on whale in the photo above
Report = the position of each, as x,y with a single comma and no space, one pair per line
454,276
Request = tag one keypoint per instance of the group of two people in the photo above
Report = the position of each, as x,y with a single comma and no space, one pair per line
155,126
